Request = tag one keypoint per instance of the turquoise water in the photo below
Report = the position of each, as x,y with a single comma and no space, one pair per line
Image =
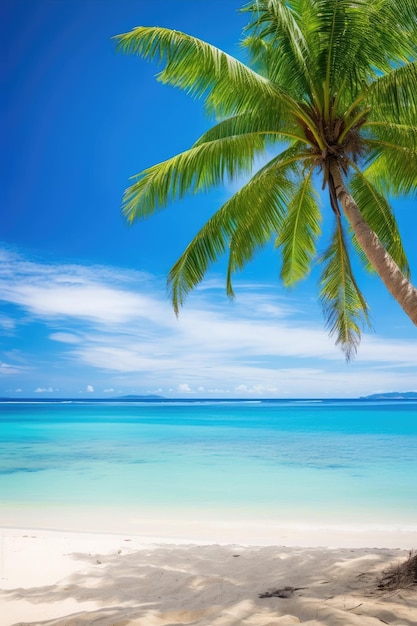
291,460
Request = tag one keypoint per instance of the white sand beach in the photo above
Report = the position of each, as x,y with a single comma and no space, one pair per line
66,578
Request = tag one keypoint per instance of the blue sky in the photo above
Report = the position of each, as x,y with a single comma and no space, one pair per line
84,310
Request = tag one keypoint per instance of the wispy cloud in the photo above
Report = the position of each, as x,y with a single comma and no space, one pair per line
77,292
8,368
118,327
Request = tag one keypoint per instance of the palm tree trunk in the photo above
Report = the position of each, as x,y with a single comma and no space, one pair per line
389,272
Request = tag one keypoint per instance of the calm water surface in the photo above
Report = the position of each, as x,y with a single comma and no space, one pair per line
343,460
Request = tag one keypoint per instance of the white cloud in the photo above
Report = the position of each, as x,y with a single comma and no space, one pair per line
101,304
184,388
118,325
7,323
8,368
95,294
258,389
44,390
64,337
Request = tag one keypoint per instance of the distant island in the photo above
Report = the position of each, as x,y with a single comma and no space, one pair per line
393,395
130,398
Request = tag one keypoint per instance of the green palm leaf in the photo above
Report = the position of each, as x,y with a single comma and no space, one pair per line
244,224
399,135
272,123
403,14
261,215
393,168
298,234
393,96
344,306
197,169
347,38
378,214
286,47
201,69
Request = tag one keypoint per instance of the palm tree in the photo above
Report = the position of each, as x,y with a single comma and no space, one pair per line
330,91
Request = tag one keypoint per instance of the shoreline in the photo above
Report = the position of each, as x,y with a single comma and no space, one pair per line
60,578
205,526
256,535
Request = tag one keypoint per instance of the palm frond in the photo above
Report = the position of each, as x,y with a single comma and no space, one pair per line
344,306
393,168
403,14
342,28
201,69
272,123
401,135
378,214
392,29
393,96
206,248
359,41
261,54
286,51
261,216
194,170
332,30
243,225
298,234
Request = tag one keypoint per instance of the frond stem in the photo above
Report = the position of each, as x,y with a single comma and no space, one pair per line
351,124
353,106
326,90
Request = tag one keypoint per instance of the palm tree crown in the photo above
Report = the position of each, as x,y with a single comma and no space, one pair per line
330,89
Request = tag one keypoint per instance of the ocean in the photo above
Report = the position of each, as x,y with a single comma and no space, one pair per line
341,462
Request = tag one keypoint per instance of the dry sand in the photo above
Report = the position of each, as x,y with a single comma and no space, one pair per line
78,579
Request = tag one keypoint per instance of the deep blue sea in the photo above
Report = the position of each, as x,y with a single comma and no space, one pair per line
350,461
